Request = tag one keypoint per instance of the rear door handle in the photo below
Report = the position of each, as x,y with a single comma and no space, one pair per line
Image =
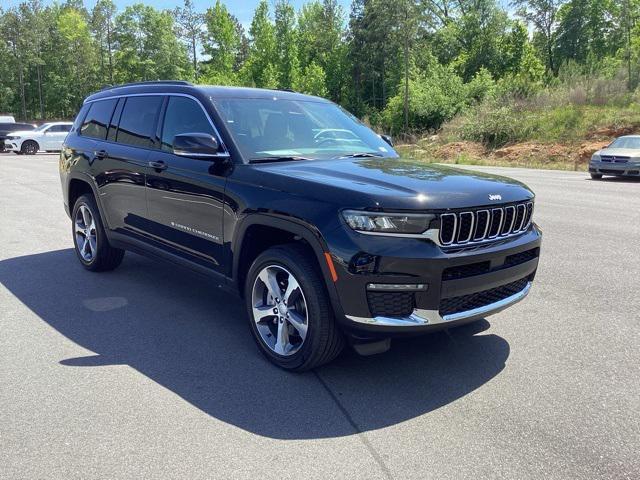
102,154
158,165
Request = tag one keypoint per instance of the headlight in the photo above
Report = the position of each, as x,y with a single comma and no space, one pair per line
12,137
393,223
595,157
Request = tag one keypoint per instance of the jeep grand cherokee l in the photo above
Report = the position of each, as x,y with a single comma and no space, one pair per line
326,233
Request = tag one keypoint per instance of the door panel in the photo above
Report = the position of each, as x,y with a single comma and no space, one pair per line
185,199
121,185
122,159
185,205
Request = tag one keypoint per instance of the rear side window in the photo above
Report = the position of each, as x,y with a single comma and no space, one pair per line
183,115
97,120
138,121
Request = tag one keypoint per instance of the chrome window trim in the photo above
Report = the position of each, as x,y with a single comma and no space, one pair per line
224,154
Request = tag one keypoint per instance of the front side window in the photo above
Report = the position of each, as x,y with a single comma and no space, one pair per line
97,120
60,129
183,115
264,128
138,121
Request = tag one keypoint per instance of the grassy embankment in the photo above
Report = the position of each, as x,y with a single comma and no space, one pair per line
535,136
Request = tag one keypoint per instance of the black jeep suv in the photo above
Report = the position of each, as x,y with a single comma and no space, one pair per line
313,218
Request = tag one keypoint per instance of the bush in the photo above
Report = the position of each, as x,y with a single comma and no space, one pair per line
491,124
434,97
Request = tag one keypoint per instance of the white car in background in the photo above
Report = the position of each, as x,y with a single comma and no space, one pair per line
48,137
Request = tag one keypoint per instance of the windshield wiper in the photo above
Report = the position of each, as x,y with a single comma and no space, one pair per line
278,159
360,155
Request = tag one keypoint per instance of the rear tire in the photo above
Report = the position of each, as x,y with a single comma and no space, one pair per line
29,147
89,238
596,176
310,336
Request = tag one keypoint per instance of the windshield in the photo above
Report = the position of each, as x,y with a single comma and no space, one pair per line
42,127
626,142
264,128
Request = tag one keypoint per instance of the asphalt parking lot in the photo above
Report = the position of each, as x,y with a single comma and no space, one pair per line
150,371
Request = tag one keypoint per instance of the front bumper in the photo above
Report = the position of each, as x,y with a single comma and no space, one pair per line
11,146
613,168
459,286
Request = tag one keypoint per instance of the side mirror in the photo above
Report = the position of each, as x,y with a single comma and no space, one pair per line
196,145
387,139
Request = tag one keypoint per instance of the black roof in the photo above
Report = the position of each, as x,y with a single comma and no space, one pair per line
176,86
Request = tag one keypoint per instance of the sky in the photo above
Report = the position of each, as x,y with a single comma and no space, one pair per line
242,9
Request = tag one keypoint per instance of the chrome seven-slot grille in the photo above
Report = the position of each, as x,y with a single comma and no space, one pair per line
484,224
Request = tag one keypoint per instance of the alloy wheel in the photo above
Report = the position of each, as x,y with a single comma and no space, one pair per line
85,233
279,310
30,148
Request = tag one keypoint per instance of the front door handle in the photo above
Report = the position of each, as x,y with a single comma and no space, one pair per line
102,154
158,165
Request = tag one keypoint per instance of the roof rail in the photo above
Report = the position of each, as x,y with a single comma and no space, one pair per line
150,82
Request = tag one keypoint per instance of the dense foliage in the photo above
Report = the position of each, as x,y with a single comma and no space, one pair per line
405,65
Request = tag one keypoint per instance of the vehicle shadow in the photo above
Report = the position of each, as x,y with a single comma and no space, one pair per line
181,331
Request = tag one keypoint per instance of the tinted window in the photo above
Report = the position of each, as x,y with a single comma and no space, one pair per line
138,121
97,120
115,118
80,117
183,115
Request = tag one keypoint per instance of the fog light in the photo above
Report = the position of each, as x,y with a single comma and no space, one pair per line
397,287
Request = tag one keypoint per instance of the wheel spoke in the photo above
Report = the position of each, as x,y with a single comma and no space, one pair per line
268,277
83,247
86,216
78,228
262,312
92,245
297,322
282,339
291,287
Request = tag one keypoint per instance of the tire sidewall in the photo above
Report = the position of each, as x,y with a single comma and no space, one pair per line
284,260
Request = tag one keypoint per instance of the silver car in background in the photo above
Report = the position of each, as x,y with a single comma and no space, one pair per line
620,158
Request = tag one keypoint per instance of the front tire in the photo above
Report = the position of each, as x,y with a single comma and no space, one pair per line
289,312
29,147
596,176
89,238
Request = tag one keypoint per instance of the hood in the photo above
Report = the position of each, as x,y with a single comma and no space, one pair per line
20,133
619,152
392,183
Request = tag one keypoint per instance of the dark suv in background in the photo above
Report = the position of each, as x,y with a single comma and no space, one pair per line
288,199
7,128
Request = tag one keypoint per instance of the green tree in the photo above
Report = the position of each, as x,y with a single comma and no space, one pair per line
147,47
543,16
286,44
189,27
102,18
221,42
259,70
